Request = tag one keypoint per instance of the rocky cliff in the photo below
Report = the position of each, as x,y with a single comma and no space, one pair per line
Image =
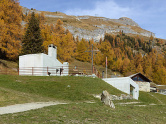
89,27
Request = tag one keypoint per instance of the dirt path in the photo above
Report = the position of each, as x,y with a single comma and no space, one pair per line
156,98
25,107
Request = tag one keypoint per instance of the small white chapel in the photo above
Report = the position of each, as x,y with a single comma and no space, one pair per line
41,64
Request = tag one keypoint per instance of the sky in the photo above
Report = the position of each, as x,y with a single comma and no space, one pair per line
149,14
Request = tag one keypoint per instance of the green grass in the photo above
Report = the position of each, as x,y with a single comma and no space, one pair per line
69,88
147,98
152,98
24,89
11,97
87,113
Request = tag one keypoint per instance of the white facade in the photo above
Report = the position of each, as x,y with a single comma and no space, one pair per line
42,64
124,84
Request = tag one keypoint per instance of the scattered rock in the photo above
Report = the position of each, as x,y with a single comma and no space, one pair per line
114,97
124,96
106,99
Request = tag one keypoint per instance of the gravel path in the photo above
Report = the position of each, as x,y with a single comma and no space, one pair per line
26,107
126,103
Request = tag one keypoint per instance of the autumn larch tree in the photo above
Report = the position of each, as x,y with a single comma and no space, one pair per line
80,52
10,29
108,52
67,47
32,42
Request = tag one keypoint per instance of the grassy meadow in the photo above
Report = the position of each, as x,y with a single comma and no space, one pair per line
76,91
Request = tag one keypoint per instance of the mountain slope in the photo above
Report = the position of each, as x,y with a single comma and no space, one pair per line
89,27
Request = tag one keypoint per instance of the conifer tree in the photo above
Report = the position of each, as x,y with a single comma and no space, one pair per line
108,52
59,28
10,29
138,59
125,66
67,47
132,66
80,52
139,69
32,42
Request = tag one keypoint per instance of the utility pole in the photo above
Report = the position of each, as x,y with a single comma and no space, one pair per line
92,55
106,66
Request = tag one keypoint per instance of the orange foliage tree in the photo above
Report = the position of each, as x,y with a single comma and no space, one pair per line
61,38
10,28
81,55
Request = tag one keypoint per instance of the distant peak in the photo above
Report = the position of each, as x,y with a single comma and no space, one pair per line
124,18
127,21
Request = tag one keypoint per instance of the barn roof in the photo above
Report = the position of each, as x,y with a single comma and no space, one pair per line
140,75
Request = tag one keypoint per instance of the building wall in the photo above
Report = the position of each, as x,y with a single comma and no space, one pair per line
28,62
40,64
66,68
120,83
123,84
143,86
52,65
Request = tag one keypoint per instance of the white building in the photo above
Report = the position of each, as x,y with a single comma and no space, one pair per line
41,64
125,84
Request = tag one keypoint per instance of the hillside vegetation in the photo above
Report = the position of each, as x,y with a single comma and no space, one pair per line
68,88
77,92
126,53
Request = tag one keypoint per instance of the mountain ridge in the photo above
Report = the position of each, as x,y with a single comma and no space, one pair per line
93,27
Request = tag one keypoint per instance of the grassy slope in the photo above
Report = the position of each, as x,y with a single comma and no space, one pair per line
85,113
8,67
67,88
24,89
20,89
8,64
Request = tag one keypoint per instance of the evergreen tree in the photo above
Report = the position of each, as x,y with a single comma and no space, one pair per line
32,42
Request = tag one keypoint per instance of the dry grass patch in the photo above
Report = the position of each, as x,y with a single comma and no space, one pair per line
11,97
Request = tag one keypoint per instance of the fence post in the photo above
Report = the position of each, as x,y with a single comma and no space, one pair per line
62,70
6,71
18,71
47,70
102,74
93,69
32,71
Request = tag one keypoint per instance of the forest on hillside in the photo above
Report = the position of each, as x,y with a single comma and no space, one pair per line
126,54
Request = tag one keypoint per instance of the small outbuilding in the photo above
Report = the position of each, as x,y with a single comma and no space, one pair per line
142,81
125,84
41,64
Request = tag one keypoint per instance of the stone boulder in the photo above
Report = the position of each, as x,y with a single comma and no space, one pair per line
106,99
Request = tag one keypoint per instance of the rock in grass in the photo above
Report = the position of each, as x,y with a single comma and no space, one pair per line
106,99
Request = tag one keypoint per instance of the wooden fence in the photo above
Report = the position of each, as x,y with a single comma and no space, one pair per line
71,70
9,71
